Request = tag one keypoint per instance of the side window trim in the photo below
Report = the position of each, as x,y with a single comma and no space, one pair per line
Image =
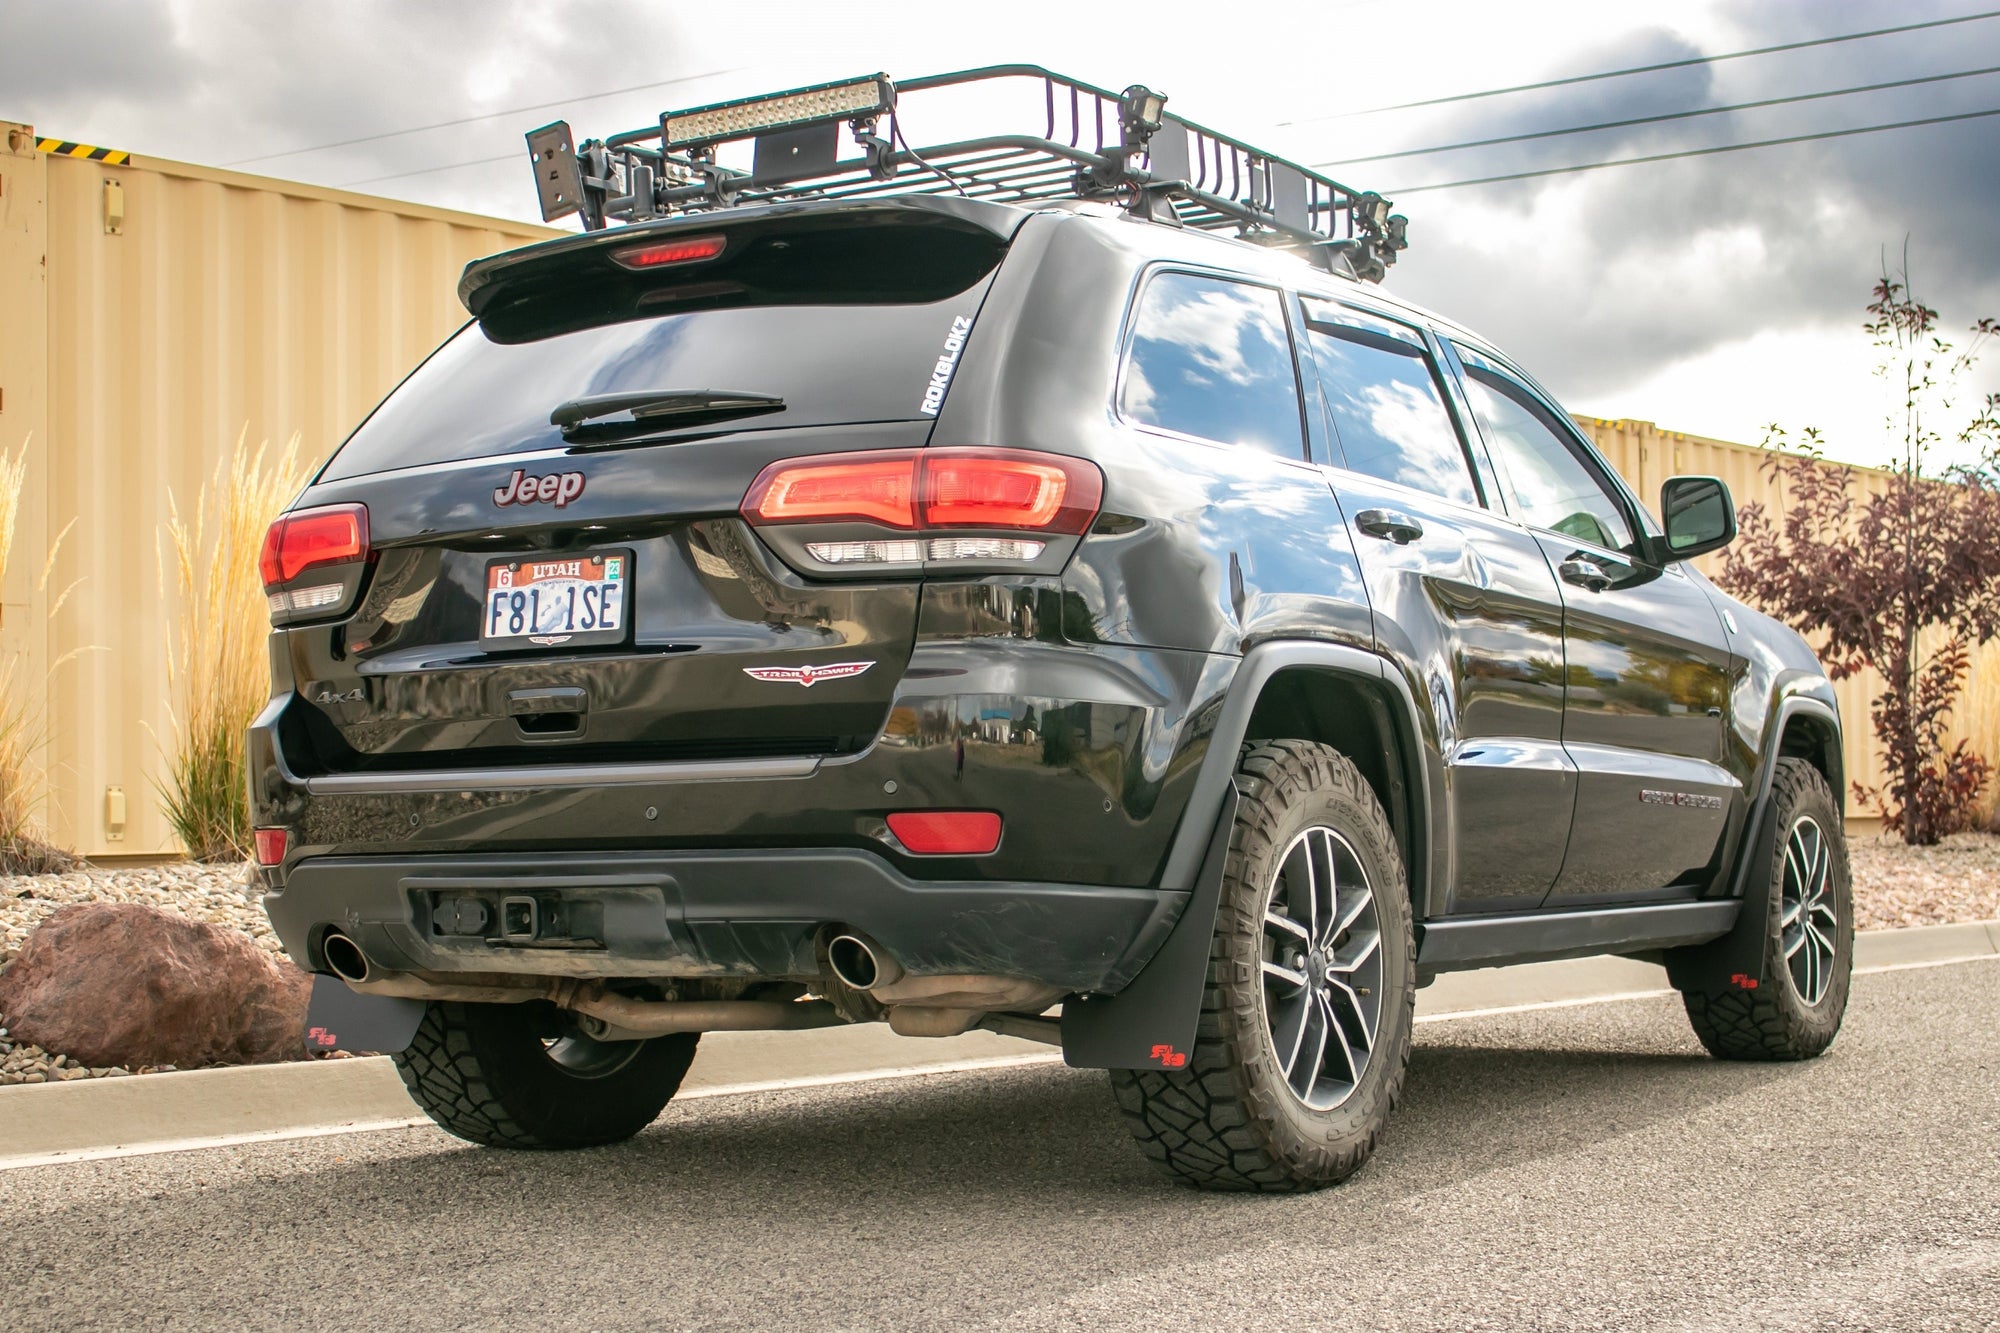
1565,430
1471,445
1129,334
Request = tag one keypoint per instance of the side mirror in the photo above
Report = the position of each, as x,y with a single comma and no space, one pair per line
1699,516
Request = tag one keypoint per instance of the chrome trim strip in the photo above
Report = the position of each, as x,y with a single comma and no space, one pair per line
560,775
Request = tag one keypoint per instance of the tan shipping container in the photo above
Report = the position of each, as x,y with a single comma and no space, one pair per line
149,312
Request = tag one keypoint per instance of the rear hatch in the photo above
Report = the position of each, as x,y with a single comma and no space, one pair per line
582,589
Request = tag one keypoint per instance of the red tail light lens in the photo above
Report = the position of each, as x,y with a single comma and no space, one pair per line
1009,488
333,535
270,845
872,487
946,832
683,250
931,488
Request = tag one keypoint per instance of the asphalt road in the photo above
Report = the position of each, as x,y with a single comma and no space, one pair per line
1579,1167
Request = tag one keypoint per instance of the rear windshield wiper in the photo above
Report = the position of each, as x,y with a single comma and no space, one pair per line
582,419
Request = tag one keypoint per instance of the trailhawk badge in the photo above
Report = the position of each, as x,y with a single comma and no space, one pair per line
809,676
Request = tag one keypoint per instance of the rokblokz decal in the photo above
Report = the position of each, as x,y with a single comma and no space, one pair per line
808,676
558,488
954,343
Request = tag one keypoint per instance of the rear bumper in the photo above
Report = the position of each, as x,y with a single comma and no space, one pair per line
714,914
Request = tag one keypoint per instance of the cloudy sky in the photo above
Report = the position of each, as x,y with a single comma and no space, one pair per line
1712,294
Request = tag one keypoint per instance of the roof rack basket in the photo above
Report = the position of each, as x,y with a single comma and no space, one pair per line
1093,144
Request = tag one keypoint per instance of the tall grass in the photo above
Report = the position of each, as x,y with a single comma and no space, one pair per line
25,847
217,668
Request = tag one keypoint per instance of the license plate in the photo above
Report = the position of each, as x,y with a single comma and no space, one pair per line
579,599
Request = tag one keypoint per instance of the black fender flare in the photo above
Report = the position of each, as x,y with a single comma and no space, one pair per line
1150,1023
1735,961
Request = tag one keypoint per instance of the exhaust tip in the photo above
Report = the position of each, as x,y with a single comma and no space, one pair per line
344,957
856,963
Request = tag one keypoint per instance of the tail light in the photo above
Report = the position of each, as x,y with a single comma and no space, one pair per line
330,543
1002,507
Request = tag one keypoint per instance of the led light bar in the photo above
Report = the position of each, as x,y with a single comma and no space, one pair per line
756,115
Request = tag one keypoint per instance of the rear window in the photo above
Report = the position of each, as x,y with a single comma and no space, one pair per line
852,338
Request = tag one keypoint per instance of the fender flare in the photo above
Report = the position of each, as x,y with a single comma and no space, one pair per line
1150,1023
1735,961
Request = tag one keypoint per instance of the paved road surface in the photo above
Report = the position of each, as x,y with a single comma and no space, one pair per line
1584,1167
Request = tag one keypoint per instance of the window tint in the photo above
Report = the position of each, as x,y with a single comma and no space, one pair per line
1548,484
831,364
1387,412
1211,358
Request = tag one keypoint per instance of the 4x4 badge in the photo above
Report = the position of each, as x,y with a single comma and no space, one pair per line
809,676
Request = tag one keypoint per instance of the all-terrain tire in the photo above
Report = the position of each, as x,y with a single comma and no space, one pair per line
1229,1120
1775,1020
512,1076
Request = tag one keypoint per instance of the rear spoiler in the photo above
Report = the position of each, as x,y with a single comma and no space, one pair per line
875,251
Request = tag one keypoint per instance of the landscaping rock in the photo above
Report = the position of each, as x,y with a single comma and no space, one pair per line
127,986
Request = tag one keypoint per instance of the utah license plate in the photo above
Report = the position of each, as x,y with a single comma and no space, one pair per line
579,599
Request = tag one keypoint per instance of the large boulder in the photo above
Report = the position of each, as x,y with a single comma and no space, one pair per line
124,984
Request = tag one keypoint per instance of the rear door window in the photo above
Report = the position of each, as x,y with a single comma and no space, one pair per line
1387,409
1212,358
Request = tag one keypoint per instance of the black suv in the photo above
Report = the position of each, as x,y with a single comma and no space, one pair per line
832,598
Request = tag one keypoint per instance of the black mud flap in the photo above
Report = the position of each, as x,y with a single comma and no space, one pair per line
1736,960
337,1019
1151,1023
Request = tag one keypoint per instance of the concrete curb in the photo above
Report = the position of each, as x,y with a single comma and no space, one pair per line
93,1118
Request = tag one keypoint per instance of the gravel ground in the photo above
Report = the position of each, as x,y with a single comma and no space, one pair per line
1895,885
215,894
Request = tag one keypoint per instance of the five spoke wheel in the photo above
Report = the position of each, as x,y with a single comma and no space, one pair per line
1322,968
1807,917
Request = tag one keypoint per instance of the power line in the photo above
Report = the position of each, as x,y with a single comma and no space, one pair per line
472,120
1694,152
1650,69
425,171
1670,115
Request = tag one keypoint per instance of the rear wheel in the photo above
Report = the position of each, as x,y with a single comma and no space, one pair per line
1305,1025
525,1076
1795,1011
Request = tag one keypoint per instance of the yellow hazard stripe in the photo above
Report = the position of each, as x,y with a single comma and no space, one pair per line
110,157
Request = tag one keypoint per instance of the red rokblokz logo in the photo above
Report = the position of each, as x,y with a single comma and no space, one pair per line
809,676
558,488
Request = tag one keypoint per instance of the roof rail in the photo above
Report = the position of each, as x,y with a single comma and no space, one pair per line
1092,144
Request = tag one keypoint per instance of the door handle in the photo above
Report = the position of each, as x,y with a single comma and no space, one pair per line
1585,572
1389,525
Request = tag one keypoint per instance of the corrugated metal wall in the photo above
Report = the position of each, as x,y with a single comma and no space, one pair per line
228,302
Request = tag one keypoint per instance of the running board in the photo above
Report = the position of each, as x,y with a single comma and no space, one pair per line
1458,944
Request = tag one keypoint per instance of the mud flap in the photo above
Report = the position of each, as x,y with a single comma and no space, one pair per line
1151,1023
338,1019
1735,961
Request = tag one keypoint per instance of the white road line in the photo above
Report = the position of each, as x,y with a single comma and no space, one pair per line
835,1080
216,1141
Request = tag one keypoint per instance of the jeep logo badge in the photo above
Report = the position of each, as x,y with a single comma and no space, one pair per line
558,488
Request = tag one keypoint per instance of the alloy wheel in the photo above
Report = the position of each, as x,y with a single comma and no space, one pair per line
1807,918
1322,966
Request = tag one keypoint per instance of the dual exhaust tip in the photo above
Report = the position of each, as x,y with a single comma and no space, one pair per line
344,957
857,962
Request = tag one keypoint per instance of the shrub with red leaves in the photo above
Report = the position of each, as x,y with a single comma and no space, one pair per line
1875,580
